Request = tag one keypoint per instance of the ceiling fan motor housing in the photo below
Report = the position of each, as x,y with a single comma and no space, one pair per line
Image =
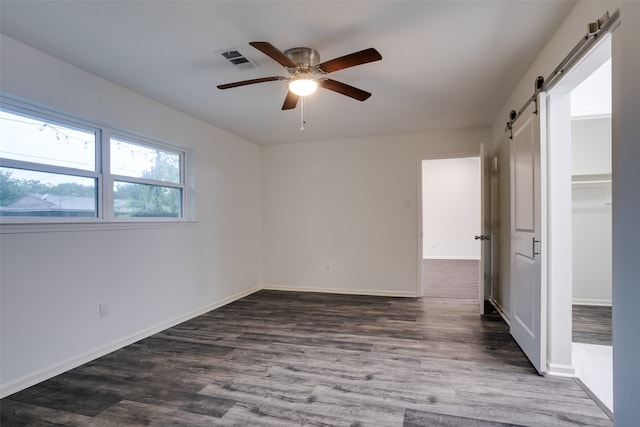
304,56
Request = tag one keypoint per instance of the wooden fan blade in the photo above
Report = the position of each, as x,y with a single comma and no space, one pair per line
290,101
274,53
250,82
351,60
345,89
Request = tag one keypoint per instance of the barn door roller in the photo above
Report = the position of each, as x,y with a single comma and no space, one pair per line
596,30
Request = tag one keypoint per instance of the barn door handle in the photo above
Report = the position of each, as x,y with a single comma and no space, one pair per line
533,246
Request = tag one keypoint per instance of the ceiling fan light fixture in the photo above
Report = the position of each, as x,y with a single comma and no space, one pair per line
303,86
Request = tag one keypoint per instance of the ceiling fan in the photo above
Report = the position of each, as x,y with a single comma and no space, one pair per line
303,65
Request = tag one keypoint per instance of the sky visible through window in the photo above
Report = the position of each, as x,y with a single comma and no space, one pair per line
32,140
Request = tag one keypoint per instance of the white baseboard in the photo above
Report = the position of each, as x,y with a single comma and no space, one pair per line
560,370
463,258
501,311
591,301
66,365
371,292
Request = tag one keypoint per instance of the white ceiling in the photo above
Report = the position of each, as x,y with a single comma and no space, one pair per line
446,64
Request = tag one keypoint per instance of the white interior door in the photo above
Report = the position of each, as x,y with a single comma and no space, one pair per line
485,244
528,298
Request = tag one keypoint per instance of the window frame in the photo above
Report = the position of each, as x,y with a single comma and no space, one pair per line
101,174
112,178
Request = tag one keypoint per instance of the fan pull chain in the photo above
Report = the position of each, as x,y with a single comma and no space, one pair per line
302,121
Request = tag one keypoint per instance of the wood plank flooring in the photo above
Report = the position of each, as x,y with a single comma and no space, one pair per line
592,324
451,278
290,359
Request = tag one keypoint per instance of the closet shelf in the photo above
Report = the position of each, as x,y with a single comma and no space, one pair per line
591,179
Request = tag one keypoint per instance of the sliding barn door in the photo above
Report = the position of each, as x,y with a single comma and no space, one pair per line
528,284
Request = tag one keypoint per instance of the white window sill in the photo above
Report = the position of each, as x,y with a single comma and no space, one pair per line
19,227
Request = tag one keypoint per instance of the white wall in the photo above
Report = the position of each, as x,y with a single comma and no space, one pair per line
626,176
591,146
349,205
591,211
592,263
53,281
626,205
451,208
592,97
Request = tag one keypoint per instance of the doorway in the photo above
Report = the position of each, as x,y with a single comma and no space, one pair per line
592,235
580,113
451,219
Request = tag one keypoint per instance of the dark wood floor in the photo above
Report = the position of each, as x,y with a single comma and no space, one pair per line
288,358
592,324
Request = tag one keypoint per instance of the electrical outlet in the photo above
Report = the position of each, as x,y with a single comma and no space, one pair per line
104,310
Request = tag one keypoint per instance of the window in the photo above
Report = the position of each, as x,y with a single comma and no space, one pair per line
53,166
48,168
147,181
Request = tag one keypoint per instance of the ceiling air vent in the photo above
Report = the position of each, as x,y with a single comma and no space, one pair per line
239,59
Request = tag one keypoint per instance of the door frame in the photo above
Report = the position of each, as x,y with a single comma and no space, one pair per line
457,155
559,209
